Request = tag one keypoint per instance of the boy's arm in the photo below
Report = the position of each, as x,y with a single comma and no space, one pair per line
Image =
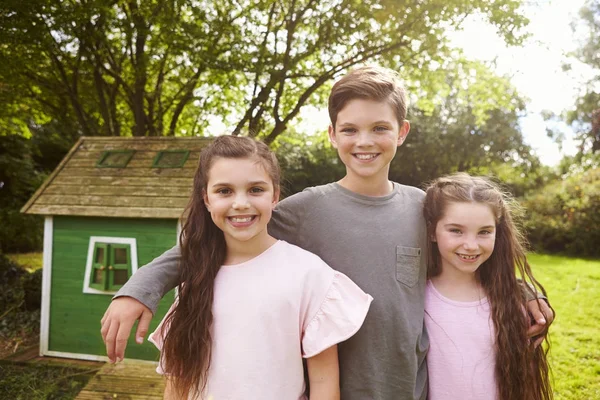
540,311
542,317
138,300
324,375
151,282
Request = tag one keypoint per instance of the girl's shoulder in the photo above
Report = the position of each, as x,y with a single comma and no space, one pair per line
302,266
298,258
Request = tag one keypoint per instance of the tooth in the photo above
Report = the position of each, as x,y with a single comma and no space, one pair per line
246,219
365,156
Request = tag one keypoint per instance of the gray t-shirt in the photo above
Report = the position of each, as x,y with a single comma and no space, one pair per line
380,243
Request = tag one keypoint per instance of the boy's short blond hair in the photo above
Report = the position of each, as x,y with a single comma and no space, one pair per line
369,83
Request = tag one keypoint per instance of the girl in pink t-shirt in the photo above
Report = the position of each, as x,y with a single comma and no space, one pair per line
250,307
474,311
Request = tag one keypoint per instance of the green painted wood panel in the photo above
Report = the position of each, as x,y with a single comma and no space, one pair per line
74,315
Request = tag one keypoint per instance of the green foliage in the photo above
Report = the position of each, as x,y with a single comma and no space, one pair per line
584,116
573,286
162,67
453,137
307,161
564,215
518,178
10,275
29,261
20,299
18,180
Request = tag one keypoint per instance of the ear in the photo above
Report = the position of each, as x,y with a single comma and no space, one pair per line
275,197
205,198
404,129
332,139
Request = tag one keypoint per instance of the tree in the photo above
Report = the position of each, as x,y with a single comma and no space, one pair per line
584,116
455,136
18,181
160,67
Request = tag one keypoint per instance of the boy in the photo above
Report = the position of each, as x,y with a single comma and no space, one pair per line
364,225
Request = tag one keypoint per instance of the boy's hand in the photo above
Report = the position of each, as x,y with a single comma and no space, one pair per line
117,323
542,316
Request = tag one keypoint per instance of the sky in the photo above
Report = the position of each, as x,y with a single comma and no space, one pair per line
536,68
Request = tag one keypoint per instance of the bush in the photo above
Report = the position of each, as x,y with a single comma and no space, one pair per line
20,300
564,216
32,288
18,181
11,291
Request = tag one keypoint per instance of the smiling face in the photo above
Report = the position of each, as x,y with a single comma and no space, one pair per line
240,198
366,136
465,237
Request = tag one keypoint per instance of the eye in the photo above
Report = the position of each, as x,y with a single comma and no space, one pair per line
485,232
455,230
348,130
257,189
381,128
224,191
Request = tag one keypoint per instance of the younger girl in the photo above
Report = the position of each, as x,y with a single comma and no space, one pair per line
250,307
474,312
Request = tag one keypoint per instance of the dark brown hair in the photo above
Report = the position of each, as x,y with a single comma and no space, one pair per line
187,345
369,83
522,371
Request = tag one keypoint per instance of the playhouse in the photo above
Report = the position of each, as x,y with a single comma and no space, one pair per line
111,206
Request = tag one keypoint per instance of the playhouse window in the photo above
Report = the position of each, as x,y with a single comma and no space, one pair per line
111,261
170,159
115,159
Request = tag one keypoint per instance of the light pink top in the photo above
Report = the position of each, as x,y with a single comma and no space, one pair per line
269,312
461,357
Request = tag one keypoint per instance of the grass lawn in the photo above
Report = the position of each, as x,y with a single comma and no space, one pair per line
29,261
573,287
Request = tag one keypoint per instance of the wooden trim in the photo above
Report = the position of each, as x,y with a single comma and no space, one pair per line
46,285
179,228
115,200
145,138
53,175
140,182
93,211
130,191
93,357
130,171
194,145
132,242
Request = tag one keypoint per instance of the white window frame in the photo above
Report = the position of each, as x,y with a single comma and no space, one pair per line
88,265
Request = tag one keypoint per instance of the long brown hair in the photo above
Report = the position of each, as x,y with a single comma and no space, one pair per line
187,345
522,371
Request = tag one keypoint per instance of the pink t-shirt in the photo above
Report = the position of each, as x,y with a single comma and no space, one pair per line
269,313
461,357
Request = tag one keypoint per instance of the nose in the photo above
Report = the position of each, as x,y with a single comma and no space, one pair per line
364,139
240,202
470,243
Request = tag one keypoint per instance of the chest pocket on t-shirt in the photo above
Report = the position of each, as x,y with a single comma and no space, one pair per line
408,262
